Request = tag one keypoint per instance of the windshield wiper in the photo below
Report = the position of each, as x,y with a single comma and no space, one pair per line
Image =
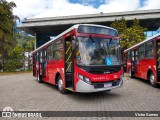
110,40
91,38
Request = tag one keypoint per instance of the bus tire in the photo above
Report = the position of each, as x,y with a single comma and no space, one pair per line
130,73
60,86
151,79
39,78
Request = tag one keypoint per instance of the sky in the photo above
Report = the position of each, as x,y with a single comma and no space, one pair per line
52,8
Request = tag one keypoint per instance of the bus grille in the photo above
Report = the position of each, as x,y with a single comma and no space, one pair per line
104,71
101,85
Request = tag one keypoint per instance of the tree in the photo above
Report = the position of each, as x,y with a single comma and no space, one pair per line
120,25
129,35
14,60
16,56
24,40
6,28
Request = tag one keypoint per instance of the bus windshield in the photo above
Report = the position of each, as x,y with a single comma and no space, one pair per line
98,51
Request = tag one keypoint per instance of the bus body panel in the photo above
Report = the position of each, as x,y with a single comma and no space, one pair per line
95,79
144,66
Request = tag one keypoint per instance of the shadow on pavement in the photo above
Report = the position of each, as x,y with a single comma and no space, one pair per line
146,82
85,96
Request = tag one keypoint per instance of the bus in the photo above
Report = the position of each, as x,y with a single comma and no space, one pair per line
85,58
143,60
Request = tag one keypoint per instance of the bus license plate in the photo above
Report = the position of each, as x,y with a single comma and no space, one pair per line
108,85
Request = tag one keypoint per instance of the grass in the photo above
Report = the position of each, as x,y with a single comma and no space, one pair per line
18,72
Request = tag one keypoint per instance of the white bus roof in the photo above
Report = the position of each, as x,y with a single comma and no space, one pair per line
70,29
143,42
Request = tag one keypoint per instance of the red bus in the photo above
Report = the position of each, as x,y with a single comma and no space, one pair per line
84,58
143,60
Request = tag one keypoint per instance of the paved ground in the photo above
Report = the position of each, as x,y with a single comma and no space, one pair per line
23,92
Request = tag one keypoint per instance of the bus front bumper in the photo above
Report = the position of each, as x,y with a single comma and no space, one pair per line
84,87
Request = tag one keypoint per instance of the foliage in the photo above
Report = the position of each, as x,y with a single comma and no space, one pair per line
14,60
16,56
25,41
6,18
12,65
13,44
120,25
6,26
129,35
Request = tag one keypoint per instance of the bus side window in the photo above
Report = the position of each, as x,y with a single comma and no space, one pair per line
149,51
129,55
45,54
141,52
57,49
37,56
34,57
41,56
132,55
49,53
57,54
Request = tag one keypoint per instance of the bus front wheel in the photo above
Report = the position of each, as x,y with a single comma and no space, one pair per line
152,79
60,86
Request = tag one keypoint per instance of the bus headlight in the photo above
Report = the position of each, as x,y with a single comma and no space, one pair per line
83,78
80,77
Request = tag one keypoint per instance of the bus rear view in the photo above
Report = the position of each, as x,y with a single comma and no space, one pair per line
90,60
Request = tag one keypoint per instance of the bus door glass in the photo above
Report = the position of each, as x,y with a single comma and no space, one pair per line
134,54
44,63
40,62
158,59
132,60
69,63
135,60
34,64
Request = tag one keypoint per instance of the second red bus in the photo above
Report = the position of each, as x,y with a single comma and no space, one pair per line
143,60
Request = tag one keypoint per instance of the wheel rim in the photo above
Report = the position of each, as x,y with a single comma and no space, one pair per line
60,84
151,78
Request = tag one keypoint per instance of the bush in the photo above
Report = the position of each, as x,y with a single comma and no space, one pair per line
12,65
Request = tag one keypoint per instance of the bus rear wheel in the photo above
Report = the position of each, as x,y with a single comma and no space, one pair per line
60,86
152,79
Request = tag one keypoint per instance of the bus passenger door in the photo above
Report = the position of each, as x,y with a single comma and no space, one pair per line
158,59
39,64
68,64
